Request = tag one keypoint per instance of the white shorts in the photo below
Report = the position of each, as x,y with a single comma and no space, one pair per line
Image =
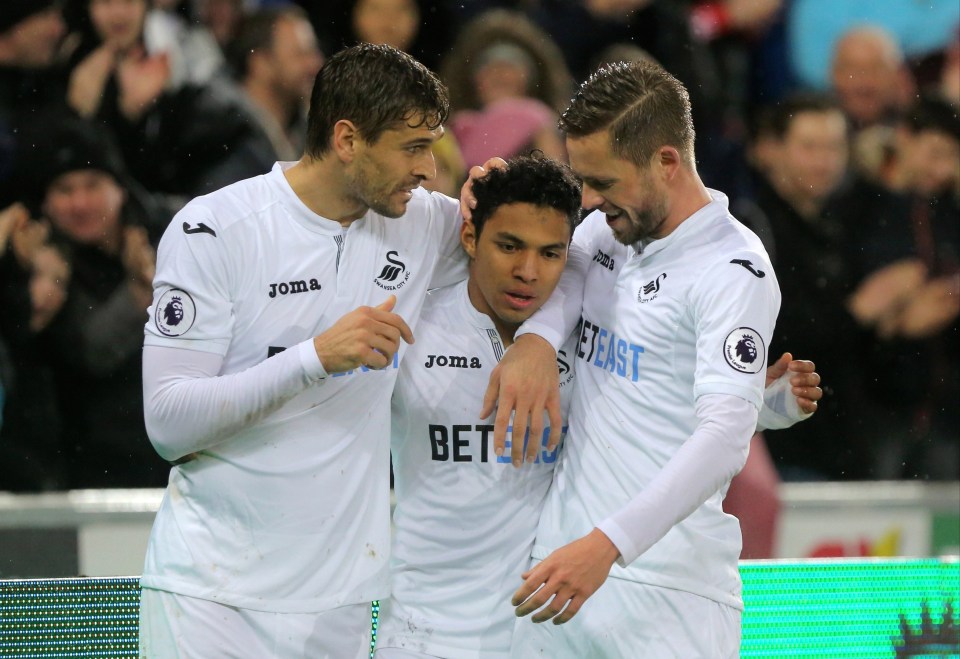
179,627
626,619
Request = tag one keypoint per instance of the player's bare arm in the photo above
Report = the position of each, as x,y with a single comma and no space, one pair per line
367,336
557,587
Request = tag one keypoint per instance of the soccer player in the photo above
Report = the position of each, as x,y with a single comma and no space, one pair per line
678,303
271,351
465,520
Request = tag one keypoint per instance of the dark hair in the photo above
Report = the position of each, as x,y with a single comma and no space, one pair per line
375,87
642,106
783,114
527,179
255,32
933,113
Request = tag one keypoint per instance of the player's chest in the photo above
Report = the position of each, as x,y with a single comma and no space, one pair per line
312,279
635,315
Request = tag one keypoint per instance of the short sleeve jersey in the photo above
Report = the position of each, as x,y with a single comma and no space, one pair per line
691,314
465,519
290,513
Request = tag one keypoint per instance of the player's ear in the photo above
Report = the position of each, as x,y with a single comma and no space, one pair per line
345,140
668,161
468,238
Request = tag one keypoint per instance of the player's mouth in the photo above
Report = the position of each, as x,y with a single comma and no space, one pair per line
613,215
407,191
519,300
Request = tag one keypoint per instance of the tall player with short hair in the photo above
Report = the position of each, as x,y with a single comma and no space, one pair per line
670,377
280,303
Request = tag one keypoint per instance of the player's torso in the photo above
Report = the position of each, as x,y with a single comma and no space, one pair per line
304,282
636,347
465,519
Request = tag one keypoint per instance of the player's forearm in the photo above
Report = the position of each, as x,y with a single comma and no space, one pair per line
188,407
714,453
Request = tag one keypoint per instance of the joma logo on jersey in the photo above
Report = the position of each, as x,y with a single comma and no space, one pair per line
452,361
394,274
604,259
289,288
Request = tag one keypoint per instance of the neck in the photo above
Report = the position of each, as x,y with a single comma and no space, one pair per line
688,195
322,187
504,329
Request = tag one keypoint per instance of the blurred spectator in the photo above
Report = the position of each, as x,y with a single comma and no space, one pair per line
802,198
506,79
870,77
815,26
178,140
422,28
33,287
107,226
30,35
221,18
520,60
195,56
909,300
275,58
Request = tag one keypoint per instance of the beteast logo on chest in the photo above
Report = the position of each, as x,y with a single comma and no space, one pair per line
291,287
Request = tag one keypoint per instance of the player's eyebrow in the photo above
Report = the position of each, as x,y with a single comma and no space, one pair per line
507,236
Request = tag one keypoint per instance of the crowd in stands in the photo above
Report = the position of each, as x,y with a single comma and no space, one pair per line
835,133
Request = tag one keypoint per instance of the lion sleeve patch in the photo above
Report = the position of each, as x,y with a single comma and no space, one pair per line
745,351
175,312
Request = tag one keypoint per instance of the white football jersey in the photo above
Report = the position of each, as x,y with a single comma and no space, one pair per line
291,513
689,314
465,519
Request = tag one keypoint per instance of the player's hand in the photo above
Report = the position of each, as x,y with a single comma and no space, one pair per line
558,586
527,383
467,201
802,377
367,336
